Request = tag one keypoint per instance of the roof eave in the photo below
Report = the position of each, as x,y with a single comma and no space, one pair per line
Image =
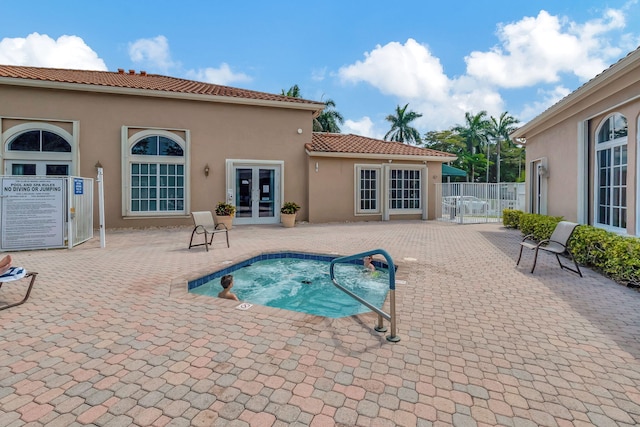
579,94
385,157
315,108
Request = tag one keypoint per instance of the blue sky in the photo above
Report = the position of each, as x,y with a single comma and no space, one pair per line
443,58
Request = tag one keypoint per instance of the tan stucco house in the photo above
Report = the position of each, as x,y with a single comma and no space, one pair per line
582,153
170,146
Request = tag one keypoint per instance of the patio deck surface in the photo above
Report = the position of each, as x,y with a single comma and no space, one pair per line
110,337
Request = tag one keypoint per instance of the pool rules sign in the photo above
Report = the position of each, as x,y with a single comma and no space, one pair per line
33,213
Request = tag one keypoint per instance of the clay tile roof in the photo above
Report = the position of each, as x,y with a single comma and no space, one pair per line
143,81
356,144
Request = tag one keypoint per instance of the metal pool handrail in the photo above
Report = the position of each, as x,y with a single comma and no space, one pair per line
392,288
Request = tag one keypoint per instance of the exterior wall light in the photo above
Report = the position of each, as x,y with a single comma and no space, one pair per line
206,170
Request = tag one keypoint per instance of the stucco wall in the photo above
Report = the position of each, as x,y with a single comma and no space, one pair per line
332,189
559,140
218,132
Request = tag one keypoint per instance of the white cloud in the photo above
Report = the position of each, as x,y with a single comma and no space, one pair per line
538,50
220,76
546,99
40,50
405,70
152,52
364,127
319,74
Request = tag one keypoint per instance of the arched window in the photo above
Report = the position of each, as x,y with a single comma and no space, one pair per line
157,146
611,173
40,140
156,174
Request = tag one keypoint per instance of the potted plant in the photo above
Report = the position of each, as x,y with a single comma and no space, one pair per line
224,214
288,213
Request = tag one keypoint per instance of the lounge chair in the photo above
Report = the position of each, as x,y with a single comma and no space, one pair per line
14,274
204,224
557,244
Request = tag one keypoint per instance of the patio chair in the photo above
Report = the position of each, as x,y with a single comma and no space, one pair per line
204,224
15,274
557,244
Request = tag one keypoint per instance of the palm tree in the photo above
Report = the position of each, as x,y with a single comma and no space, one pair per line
293,92
500,130
473,162
329,119
401,131
474,132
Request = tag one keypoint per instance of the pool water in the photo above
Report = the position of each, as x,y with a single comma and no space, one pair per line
304,285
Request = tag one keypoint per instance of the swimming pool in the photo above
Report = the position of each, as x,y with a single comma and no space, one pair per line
300,282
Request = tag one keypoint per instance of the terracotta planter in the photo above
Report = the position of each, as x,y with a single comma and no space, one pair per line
226,220
288,220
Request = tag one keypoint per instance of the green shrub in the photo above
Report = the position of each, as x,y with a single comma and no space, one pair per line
617,257
589,245
623,259
540,226
511,218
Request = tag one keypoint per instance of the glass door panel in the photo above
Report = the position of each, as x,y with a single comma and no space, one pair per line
267,199
256,194
244,190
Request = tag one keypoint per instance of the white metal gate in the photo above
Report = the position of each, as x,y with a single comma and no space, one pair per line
473,203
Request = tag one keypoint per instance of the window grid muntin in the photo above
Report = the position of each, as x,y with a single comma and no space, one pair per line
368,190
405,189
157,181
157,187
39,140
611,173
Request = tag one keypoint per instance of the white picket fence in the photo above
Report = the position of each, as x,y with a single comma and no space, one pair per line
473,203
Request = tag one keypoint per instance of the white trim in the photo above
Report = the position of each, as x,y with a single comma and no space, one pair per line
582,176
607,146
387,211
624,65
128,158
637,174
230,188
357,167
73,158
541,180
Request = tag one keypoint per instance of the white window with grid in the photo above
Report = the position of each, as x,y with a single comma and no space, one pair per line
368,189
156,174
611,174
405,190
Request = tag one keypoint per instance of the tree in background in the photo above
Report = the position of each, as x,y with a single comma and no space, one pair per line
474,132
499,129
293,92
329,119
401,129
476,163
480,131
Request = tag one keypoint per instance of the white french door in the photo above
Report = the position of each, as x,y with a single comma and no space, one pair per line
255,192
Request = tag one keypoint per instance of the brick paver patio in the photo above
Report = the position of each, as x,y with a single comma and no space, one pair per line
110,337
